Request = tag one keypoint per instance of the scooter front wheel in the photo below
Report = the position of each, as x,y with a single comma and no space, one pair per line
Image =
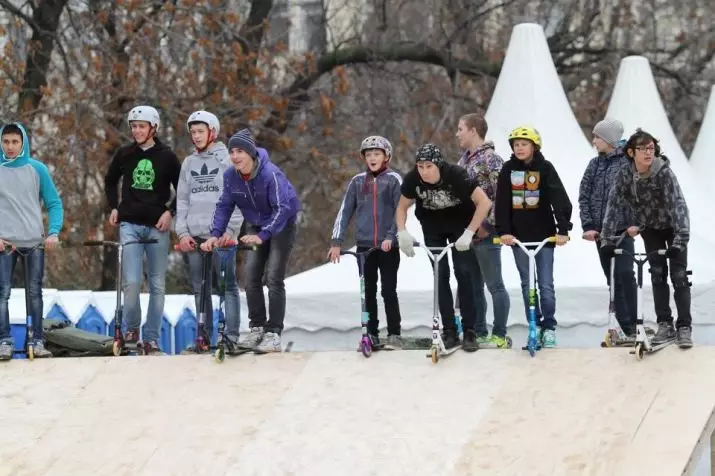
220,355
31,352
639,351
117,348
435,354
366,347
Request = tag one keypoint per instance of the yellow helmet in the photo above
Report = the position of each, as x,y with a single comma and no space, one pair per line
526,132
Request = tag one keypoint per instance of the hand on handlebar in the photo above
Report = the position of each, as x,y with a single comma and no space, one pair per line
591,235
406,243
187,244
633,231
561,240
507,240
334,254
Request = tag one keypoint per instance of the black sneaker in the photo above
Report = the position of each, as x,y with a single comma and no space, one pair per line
470,341
450,339
684,338
664,333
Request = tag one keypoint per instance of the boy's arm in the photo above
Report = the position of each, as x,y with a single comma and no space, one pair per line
678,210
585,190
483,205
401,214
345,213
111,182
395,195
615,205
280,205
175,168
51,199
224,208
502,205
560,202
183,193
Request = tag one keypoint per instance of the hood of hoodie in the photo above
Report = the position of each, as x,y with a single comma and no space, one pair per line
24,157
259,162
217,151
468,158
535,162
659,162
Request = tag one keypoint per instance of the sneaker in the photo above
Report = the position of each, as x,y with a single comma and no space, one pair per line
469,344
252,339
131,337
271,342
684,337
450,339
394,342
494,342
6,350
483,341
664,333
548,338
39,350
151,347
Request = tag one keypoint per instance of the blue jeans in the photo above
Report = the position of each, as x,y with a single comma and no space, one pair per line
36,261
546,305
488,270
157,255
233,310
269,262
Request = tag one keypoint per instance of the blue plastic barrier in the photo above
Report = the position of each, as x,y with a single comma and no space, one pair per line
92,321
57,313
185,331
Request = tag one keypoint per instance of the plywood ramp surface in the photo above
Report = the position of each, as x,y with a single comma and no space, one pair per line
581,412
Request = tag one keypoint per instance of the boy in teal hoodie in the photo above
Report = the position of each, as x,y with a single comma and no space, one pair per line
26,185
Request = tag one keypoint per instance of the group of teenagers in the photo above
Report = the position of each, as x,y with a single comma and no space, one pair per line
626,190
233,192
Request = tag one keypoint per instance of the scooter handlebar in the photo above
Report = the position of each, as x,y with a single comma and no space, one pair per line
229,245
116,243
552,239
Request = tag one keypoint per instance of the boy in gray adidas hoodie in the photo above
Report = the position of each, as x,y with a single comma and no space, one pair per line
372,197
200,186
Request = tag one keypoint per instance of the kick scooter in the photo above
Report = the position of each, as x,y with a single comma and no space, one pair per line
643,343
438,349
533,343
120,346
366,345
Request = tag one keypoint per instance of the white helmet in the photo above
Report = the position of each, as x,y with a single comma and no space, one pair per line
376,142
144,113
205,117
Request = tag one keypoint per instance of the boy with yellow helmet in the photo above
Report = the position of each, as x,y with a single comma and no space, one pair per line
531,205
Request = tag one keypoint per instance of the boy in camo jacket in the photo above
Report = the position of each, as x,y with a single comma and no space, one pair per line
649,186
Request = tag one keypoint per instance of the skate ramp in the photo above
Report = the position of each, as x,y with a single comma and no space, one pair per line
567,411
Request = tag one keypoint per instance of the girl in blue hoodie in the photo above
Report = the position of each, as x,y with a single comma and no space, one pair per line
269,205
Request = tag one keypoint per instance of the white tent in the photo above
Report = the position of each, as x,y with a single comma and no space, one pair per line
529,92
636,103
701,158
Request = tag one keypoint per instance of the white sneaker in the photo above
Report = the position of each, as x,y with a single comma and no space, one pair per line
271,343
253,338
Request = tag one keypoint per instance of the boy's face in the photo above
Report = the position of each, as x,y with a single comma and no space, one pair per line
465,135
375,159
523,149
429,172
11,145
601,145
241,160
643,154
140,131
200,135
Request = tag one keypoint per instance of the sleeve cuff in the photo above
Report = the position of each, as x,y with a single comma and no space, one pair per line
264,235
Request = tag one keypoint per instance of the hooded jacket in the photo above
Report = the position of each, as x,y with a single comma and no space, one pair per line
596,184
484,166
266,200
532,203
26,184
655,197
373,200
200,187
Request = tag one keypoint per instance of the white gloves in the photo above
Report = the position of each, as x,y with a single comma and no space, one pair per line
406,243
464,241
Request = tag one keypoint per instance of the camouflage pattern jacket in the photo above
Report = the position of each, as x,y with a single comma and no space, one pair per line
656,200
484,165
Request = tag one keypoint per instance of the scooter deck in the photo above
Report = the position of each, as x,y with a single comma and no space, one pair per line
656,347
444,353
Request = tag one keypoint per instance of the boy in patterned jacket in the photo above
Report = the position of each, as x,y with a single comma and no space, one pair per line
484,165
660,214
596,184
372,197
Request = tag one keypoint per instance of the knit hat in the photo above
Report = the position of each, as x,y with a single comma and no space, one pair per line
243,140
610,130
429,153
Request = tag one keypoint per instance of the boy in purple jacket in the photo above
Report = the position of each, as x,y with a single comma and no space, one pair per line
270,206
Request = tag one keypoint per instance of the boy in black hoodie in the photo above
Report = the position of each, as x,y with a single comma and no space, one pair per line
649,186
532,205
148,169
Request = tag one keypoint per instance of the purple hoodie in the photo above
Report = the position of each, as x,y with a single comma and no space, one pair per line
267,199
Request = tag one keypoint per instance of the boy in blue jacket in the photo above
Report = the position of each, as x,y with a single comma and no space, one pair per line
372,196
270,207
26,185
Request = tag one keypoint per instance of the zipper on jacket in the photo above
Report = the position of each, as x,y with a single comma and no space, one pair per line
250,192
374,206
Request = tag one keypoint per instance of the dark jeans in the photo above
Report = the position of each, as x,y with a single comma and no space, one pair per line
388,263
231,297
546,305
488,270
463,271
625,288
36,262
655,240
270,260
